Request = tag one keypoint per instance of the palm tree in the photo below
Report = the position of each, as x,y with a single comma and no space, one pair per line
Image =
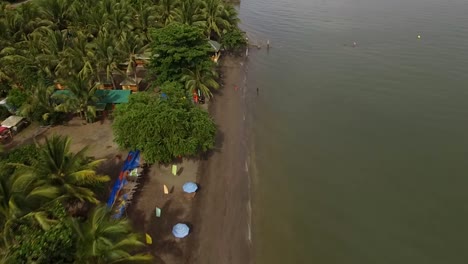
71,175
201,79
129,46
83,97
167,11
19,200
25,62
189,12
120,19
92,18
104,240
145,17
78,58
215,22
41,102
230,15
107,55
58,11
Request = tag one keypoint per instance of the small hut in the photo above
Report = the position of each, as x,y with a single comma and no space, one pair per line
130,84
142,59
105,86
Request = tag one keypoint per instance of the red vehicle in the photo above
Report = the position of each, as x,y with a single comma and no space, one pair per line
5,135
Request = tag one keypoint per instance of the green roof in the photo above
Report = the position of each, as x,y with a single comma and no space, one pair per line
113,96
105,96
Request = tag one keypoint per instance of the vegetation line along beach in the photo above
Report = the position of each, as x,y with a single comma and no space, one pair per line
131,102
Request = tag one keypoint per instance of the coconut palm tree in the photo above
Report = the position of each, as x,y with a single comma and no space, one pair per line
190,12
230,15
83,97
92,18
129,46
71,175
167,10
201,78
78,58
25,61
145,17
107,55
41,104
119,20
215,21
58,11
19,200
104,240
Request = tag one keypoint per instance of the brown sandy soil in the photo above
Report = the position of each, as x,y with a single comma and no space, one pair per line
217,214
220,219
176,208
97,136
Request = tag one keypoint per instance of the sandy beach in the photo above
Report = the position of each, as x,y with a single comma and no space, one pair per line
218,214
220,217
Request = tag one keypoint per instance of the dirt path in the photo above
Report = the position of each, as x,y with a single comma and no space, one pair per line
220,218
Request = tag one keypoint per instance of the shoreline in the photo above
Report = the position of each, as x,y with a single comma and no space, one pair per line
221,210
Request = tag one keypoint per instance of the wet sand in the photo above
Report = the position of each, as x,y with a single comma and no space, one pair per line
220,216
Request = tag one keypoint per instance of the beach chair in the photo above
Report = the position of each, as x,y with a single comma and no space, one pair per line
158,212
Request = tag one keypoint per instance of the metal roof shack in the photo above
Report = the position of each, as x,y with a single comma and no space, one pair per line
12,121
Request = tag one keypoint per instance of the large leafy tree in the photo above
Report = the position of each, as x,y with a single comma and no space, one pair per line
104,240
176,47
163,125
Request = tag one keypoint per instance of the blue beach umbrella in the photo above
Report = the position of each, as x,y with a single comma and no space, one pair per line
190,187
180,230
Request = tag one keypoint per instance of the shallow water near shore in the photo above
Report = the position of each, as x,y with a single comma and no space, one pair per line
360,153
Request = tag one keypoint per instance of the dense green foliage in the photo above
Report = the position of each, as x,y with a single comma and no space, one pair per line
27,154
79,45
105,240
234,40
54,245
4,113
38,185
163,125
201,79
16,98
62,173
178,46
48,42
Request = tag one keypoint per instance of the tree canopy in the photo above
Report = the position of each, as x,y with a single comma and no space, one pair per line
36,245
163,125
177,47
36,223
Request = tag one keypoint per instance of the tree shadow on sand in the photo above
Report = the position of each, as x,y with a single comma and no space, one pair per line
171,214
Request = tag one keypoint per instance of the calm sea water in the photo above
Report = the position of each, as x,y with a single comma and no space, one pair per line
360,154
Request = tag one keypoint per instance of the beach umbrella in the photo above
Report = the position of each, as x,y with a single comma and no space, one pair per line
190,187
180,230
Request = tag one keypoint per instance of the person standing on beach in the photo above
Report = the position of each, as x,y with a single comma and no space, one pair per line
257,90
